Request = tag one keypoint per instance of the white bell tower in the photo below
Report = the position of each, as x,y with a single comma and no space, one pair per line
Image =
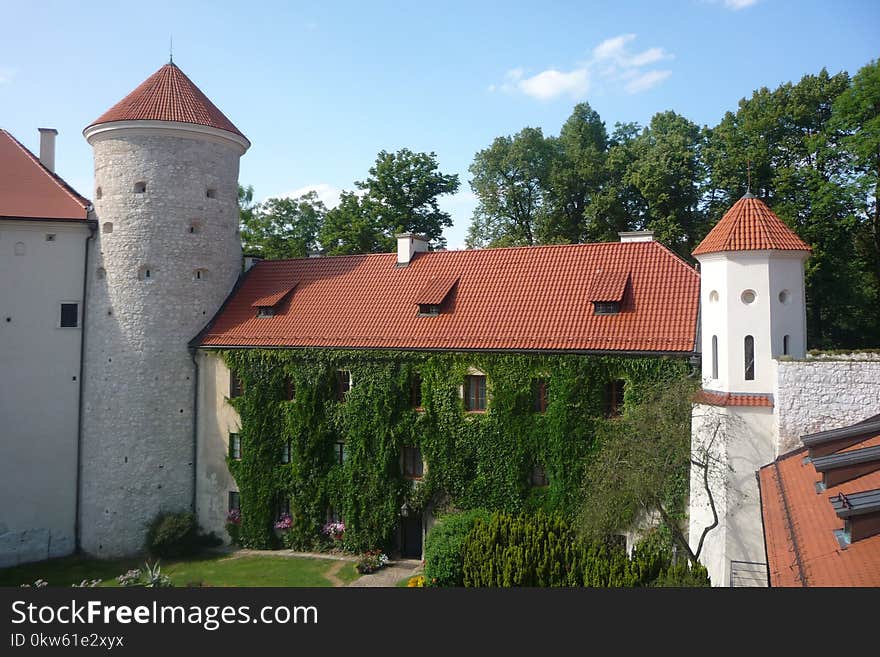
752,311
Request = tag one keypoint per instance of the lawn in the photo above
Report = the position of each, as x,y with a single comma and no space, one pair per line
213,570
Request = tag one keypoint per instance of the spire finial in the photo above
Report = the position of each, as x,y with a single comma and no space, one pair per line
171,49
749,174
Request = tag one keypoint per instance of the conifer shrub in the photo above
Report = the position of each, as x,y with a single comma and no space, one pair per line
171,535
444,546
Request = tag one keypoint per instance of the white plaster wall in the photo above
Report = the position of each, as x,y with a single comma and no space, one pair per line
217,419
39,389
139,386
817,394
744,443
789,317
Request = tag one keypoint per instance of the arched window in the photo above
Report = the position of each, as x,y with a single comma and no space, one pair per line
107,227
98,193
749,349
785,341
714,356
145,273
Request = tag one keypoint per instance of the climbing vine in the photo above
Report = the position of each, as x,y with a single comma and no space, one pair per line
471,459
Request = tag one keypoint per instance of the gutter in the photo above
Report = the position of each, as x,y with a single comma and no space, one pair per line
77,528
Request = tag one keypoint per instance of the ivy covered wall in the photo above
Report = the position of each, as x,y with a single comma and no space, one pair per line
471,459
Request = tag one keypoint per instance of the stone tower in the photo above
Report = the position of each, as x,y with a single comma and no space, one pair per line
752,311
168,253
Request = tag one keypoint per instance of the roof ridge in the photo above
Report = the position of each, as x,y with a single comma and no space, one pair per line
54,177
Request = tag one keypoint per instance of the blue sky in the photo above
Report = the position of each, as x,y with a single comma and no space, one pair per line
321,87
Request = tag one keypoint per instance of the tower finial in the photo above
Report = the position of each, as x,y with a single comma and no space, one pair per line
171,49
749,176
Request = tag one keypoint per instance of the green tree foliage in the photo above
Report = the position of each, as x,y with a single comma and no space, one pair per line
813,151
642,465
353,227
544,550
282,227
444,547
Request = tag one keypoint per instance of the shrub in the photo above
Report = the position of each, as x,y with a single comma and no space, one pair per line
371,561
444,546
172,535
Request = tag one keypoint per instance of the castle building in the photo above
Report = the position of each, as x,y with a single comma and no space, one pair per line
118,318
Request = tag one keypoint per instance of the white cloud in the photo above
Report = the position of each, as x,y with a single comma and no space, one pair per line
328,194
646,81
612,62
736,5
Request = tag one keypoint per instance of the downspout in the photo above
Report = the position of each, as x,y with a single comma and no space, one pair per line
77,530
193,351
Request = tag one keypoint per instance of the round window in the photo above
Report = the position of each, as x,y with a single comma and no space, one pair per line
713,296
748,297
785,297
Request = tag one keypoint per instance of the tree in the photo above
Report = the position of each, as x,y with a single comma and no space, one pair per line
282,227
510,181
353,227
642,467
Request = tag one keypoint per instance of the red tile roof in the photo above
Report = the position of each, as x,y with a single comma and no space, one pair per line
750,226
799,525
272,298
168,95
610,286
29,190
713,398
524,298
435,290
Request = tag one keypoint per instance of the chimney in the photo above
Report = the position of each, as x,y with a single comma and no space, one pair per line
250,261
637,236
408,244
47,147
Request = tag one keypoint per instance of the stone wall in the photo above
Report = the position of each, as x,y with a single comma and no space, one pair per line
139,382
824,392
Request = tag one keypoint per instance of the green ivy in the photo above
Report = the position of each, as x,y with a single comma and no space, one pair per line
471,460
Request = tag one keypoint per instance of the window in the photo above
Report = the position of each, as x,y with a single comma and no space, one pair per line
606,307
343,384
200,274
99,193
235,385
285,453
415,391
614,392
539,476
265,311
785,297
107,228
539,395
145,273
195,226
429,309
211,193
69,315
282,506
234,501
475,393
748,297
289,389
413,467
714,356
785,345
102,273
20,248
340,452
140,187
713,296
50,237
333,515
749,349
235,446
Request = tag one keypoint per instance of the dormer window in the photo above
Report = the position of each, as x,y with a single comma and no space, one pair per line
434,295
606,307
265,311
268,304
607,291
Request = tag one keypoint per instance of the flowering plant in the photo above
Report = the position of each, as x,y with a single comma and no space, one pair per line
334,530
284,522
233,517
371,561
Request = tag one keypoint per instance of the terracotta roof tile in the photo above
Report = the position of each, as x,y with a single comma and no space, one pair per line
608,286
168,95
750,226
272,298
526,298
29,190
799,525
435,290
714,398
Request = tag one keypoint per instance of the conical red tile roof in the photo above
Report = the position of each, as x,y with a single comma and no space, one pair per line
750,226
168,95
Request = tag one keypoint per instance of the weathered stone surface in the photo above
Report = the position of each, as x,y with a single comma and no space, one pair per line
137,453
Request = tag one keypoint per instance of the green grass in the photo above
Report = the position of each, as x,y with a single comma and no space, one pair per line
213,570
